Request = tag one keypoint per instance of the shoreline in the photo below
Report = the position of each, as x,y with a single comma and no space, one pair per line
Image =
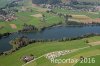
49,40
61,39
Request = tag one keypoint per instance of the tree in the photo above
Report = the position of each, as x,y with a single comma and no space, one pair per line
66,18
43,17
86,41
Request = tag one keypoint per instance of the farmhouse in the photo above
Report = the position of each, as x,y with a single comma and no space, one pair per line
2,17
10,18
27,58
97,8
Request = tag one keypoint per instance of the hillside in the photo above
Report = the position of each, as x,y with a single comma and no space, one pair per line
4,2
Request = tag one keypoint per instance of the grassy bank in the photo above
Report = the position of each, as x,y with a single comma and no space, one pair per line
90,64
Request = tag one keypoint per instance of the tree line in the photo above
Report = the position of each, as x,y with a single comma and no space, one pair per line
46,1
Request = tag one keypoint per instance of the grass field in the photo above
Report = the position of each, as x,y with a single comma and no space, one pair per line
97,63
74,12
39,49
80,16
92,1
84,19
86,53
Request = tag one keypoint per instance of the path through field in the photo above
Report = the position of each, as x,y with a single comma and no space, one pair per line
45,55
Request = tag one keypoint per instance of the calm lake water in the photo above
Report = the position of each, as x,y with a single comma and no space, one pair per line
50,33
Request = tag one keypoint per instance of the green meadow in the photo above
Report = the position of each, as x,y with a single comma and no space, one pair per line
42,48
97,63
27,18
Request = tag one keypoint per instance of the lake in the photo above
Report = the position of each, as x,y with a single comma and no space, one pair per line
50,33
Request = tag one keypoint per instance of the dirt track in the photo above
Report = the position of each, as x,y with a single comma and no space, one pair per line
94,43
